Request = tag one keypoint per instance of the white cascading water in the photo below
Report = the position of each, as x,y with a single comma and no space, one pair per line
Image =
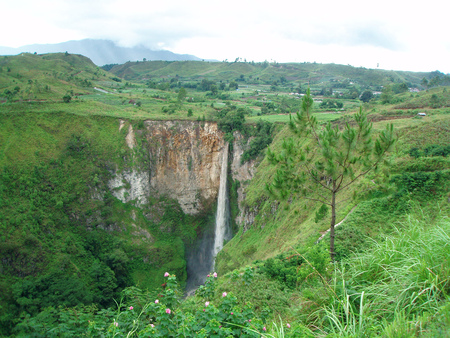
200,257
222,228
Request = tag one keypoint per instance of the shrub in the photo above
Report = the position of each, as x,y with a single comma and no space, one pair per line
67,98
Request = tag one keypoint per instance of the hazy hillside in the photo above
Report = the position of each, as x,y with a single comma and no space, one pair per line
315,74
101,52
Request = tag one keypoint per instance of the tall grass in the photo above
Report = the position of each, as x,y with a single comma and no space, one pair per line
395,288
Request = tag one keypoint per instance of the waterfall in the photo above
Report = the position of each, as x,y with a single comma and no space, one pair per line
222,231
200,257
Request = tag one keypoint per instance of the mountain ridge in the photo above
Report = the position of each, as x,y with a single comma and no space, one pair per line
101,52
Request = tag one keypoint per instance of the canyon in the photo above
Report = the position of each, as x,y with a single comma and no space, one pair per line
186,161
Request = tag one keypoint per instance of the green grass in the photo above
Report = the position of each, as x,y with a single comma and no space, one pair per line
403,279
397,287
284,118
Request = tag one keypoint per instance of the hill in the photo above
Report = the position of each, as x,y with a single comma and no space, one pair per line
30,77
314,74
101,52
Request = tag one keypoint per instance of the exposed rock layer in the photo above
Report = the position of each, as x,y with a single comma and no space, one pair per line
184,163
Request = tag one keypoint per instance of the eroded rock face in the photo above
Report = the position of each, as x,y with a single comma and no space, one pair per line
184,164
130,186
242,173
185,161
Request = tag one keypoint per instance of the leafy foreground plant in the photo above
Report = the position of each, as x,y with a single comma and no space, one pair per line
139,314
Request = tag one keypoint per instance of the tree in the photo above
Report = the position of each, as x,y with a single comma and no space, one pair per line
330,161
9,94
386,95
214,89
233,85
400,88
181,94
366,96
435,101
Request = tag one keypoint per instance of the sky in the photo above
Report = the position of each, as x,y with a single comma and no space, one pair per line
386,34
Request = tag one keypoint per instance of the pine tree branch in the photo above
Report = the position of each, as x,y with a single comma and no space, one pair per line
309,170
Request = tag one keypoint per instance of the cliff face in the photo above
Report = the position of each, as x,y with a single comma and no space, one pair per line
180,160
61,182
183,163
242,172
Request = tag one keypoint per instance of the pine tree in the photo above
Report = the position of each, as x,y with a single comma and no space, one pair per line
320,162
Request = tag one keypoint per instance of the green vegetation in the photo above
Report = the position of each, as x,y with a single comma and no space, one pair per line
322,76
70,249
397,288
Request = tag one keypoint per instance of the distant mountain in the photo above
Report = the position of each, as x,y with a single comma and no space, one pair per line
101,52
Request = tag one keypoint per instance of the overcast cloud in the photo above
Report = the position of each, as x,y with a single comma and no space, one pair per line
399,35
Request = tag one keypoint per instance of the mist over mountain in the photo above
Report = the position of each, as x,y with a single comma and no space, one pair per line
101,52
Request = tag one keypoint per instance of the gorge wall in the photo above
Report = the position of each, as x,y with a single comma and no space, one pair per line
128,199
180,160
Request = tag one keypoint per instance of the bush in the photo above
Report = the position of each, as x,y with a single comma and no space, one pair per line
422,183
432,150
262,134
67,98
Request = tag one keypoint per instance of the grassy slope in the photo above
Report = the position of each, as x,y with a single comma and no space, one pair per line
43,80
397,287
48,76
279,227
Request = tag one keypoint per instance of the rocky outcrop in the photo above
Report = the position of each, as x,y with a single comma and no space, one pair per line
184,164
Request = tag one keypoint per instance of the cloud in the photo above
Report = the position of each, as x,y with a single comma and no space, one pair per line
285,30
374,34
